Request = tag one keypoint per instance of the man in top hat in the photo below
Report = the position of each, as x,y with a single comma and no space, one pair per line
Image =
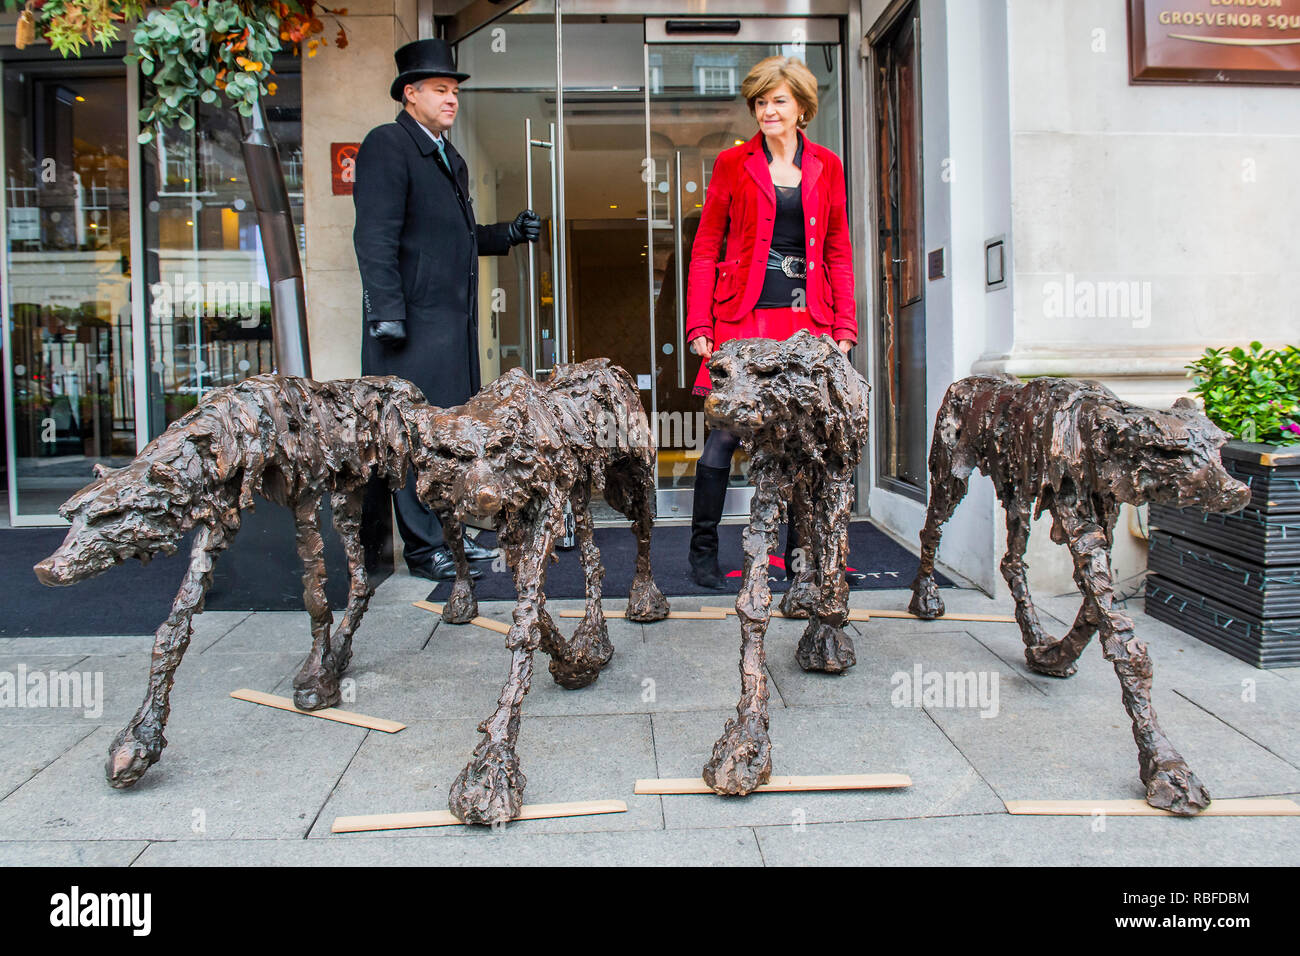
418,246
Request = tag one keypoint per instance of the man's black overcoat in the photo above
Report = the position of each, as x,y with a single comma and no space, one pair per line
417,245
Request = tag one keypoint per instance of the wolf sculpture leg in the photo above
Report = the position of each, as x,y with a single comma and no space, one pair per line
490,788
630,487
462,605
1170,783
1043,654
802,568
742,757
578,661
317,684
141,741
824,646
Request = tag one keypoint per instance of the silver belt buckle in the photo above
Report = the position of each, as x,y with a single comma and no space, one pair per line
788,264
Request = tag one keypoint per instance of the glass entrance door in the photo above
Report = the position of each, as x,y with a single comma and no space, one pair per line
694,70
507,131
641,108
68,361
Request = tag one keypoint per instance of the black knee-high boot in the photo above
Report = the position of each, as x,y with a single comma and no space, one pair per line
792,543
706,512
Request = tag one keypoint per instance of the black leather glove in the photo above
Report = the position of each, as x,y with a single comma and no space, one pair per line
389,332
527,226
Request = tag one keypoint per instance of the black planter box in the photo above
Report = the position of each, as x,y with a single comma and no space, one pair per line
1263,592
1274,642
1259,537
1234,580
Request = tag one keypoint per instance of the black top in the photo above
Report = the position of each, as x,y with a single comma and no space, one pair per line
779,290
788,232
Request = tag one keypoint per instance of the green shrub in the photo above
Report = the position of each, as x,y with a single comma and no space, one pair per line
1252,395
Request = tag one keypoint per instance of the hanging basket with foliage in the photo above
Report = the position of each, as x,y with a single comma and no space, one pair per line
193,51
210,51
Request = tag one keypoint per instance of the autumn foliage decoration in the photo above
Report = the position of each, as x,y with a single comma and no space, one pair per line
194,50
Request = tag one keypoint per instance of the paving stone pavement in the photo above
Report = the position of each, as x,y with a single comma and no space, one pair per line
241,784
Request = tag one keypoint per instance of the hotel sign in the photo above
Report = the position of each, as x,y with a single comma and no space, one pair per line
1214,41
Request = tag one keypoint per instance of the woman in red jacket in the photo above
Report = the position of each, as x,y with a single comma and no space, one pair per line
778,201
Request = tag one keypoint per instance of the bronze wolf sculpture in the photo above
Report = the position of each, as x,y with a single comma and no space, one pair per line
290,440
1077,451
514,455
802,410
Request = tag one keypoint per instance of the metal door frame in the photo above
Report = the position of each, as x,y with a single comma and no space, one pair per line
751,29
139,352
889,22
480,13
761,21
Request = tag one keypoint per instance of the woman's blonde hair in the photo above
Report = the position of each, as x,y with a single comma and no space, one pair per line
770,73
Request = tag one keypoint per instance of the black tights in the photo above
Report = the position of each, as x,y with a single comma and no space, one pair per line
719,446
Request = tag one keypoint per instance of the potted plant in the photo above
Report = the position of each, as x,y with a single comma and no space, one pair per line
1234,580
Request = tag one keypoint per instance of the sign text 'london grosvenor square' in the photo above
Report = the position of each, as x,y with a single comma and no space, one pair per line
1214,41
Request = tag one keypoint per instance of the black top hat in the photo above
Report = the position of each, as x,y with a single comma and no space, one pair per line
421,59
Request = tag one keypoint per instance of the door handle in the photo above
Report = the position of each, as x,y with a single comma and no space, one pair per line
681,275
529,143
558,266
532,258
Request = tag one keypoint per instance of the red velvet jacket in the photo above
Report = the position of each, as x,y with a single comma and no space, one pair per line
740,205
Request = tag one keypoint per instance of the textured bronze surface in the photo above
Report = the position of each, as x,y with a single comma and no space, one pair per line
289,440
514,455
801,408
1077,451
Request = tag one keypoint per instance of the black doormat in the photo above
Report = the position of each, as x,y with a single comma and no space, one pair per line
260,571
130,599
885,562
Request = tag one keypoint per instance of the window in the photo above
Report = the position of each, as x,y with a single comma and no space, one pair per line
715,75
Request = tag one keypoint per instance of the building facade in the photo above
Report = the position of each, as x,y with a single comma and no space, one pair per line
1018,204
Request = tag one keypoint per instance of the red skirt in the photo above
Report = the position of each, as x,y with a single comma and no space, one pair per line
758,324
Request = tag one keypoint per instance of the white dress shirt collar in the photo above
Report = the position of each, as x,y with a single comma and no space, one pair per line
436,139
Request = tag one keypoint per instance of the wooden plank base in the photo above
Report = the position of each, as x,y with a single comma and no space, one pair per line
444,818
858,781
867,615
1236,807
996,618
485,622
732,611
707,614
329,713
853,615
